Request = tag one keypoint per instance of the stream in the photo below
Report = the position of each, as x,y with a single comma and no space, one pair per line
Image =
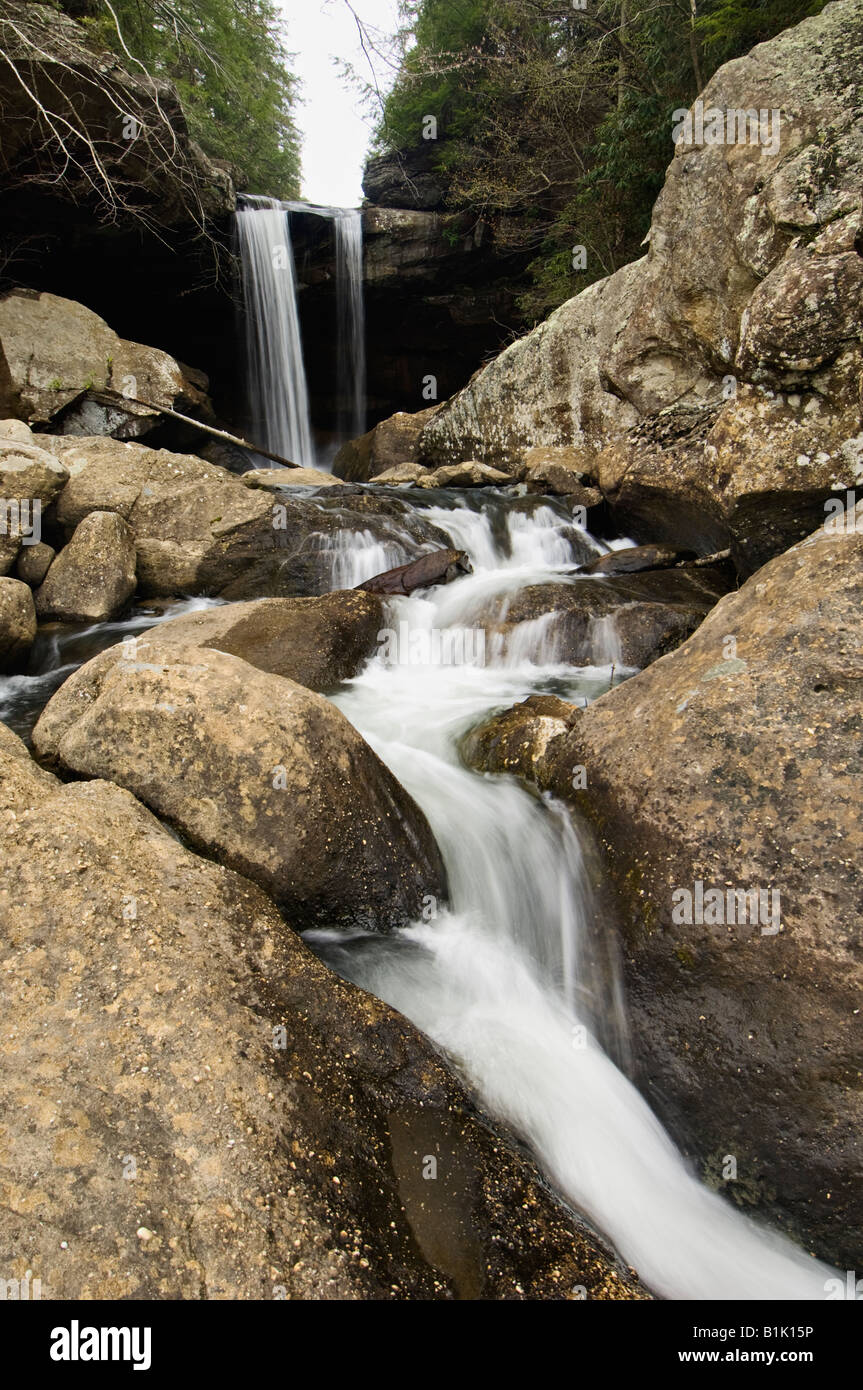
517,980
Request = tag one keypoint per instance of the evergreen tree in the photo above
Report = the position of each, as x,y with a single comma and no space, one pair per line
227,59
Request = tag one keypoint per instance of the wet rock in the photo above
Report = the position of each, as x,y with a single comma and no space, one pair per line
17,623
625,620
257,770
56,350
93,577
225,1118
466,474
733,764
314,553
34,561
391,443
317,642
517,741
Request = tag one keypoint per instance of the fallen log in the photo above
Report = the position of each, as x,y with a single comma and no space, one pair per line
441,567
115,398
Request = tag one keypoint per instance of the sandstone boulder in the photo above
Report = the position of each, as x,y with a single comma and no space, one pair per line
56,350
274,479
29,472
256,769
468,473
317,642
545,389
17,431
391,443
225,1119
733,764
34,562
93,577
517,741
719,378
405,475
17,623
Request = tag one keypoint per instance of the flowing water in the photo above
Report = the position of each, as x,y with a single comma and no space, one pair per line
517,979
506,979
278,394
350,307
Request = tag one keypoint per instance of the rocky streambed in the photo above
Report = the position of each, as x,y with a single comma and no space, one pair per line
299,1004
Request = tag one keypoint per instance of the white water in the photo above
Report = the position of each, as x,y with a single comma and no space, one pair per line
350,316
277,389
517,980
350,307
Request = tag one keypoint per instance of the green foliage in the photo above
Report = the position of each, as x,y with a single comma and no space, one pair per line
228,61
555,123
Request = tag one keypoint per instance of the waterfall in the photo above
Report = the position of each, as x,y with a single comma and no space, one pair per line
348,226
277,387
277,390
350,316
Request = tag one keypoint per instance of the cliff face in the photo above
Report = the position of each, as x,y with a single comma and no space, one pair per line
440,293
714,388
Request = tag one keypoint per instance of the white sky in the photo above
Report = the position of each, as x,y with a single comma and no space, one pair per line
335,129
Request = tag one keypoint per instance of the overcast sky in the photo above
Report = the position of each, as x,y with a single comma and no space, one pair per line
335,134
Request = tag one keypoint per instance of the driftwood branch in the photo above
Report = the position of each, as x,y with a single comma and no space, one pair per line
114,398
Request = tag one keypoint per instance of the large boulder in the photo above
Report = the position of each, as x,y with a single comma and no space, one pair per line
30,479
198,530
389,445
317,642
256,769
545,389
17,623
732,766
226,1119
56,350
93,577
718,378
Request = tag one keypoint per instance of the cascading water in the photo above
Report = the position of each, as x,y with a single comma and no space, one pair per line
500,979
517,979
277,390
